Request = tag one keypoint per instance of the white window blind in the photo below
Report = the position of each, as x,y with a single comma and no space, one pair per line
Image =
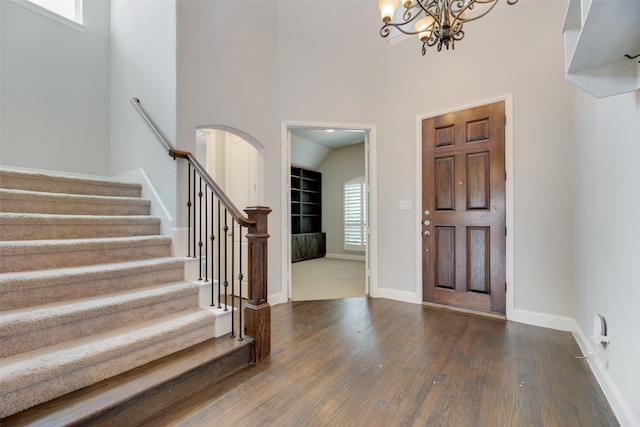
355,215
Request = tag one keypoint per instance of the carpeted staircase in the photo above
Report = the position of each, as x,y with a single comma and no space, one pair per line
88,288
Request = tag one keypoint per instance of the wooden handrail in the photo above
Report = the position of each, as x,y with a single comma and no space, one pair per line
233,210
257,310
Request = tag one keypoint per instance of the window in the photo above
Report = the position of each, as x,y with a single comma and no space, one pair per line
355,215
67,12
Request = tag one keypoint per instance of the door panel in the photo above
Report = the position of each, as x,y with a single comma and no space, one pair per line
463,179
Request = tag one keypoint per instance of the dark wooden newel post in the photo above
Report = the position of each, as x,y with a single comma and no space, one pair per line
257,312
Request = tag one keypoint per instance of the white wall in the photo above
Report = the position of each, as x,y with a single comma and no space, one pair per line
143,65
227,75
607,231
54,91
347,73
338,168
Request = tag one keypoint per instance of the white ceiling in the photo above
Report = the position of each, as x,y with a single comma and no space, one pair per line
339,138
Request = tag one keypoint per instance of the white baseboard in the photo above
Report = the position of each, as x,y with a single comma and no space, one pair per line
348,257
158,207
620,407
394,294
277,298
618,403
544,320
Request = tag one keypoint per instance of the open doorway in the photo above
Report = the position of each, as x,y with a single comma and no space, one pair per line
328,212
234,161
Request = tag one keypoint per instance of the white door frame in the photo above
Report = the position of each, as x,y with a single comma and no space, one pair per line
371,254
509,201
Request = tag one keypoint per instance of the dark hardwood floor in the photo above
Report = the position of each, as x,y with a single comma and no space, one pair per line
376,362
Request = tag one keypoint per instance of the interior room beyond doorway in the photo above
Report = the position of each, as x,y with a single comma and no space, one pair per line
328,213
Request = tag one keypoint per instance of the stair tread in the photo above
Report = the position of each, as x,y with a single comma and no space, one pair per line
40,196
30,218
111,392
64,356
19,246
34,279
27,319
51,183
32,255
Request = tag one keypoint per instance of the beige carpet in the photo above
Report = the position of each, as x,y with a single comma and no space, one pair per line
326,278
88,288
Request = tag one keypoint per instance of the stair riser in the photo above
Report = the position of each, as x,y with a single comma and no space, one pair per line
157,399
65,207
49,230
83,286
59,257
69,185
31,387
50,331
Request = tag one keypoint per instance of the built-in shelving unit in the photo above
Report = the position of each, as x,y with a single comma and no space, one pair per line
598,34
307,239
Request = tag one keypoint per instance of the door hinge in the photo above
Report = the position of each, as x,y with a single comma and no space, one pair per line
505,119
505,175
505,286
505,230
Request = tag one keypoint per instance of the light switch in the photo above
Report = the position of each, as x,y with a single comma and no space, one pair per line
406,204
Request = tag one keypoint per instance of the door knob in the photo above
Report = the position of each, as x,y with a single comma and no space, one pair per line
427,233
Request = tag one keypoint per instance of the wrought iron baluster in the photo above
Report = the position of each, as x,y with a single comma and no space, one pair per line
210,255
233,280
206,232
240,277
189,212
200,232
194,213
226,265
219,265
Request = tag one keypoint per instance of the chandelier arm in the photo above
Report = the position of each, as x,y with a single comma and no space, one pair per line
489,9
407,15
458,35
423,5
432,40
409,18
384,31
456,28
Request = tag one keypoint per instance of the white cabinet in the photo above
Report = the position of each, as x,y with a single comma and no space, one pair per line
597,35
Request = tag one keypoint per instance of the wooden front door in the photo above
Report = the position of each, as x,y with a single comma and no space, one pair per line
463,209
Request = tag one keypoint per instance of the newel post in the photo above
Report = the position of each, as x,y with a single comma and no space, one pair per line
257,311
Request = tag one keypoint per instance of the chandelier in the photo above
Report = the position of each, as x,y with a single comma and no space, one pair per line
436,22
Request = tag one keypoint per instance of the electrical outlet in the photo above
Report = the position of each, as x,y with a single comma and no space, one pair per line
600,330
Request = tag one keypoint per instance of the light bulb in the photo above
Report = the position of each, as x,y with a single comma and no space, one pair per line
424,26
387,9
